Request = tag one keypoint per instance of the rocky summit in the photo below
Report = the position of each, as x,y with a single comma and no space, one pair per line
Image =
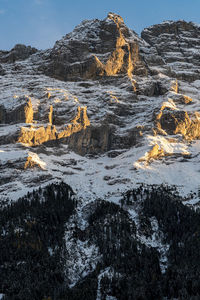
99,164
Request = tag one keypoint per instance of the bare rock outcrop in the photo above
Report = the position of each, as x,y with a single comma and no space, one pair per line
180,99
19,52
33,161
96,48
179,122
34,135
178,44
21,112
173,122
132,77
97,140
94,140
2,71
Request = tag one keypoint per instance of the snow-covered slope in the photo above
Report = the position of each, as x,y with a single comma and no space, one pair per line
126,128
117,118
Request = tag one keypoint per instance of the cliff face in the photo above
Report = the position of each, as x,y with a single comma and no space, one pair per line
102,92
20,112
179,122
19,52
178,44
34,135
96,48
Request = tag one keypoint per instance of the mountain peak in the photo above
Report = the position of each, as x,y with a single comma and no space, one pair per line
138,92
115,17
96,48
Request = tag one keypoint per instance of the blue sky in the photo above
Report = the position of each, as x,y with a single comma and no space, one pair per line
41,22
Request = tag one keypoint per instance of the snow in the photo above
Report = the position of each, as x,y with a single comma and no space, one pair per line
170,104
125,169
83,256
83,260
169,147
109,272
102,176
11,155
93,171
196,84
88,29
35,158
155,240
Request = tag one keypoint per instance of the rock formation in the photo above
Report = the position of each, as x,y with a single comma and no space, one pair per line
33,161
19,52
178,122
155,153
34,135
20,112
177,43
106,94
2,71
97,48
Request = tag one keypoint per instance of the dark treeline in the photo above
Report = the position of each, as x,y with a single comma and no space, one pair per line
33,251
135,267
31,243
181,227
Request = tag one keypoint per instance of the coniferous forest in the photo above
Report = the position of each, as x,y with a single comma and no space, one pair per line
34,252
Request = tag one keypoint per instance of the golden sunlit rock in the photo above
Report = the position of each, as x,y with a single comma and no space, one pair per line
34,136
80,122
123,58
50,114
34,161
155,153
28,109
175,86
178,122
29,163
116,61
187,99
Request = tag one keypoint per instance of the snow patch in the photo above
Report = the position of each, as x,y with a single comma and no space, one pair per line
83,255
35,158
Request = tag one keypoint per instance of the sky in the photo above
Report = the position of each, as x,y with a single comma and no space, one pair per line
40,23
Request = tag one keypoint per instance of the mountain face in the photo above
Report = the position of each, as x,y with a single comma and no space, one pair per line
99,164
